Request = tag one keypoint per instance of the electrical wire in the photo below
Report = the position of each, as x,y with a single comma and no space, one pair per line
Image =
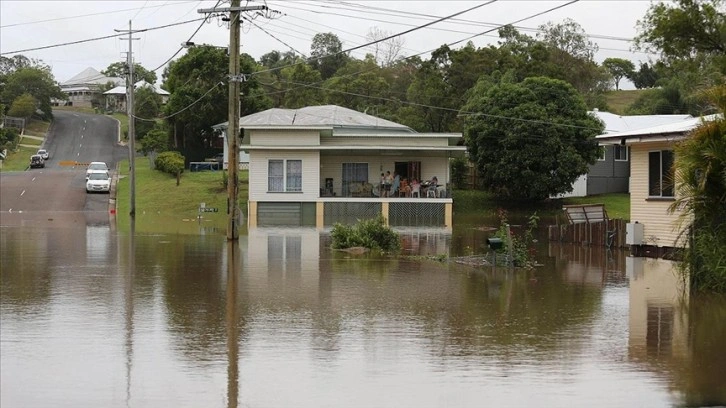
190,39
101,38
87,15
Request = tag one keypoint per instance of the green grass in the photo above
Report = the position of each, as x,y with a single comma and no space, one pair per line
124,124
19,160
619,101
616,205
37,128
30,141
157,192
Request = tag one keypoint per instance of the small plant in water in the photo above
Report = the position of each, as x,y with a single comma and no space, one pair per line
372,234
523,250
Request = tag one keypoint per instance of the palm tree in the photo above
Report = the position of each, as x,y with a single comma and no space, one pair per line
700,177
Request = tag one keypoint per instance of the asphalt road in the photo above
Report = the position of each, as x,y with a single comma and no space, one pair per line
60,187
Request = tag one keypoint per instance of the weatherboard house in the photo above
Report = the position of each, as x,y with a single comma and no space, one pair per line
319,165
652,191
116,97
83,88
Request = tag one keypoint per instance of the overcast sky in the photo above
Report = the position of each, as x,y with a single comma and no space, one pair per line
26,24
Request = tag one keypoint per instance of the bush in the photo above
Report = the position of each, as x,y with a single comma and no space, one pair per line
523,251
9,138
372,234
170,162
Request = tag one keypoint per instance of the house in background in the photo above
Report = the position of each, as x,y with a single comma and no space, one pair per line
85,87
116,97
610,174
651,175
319,165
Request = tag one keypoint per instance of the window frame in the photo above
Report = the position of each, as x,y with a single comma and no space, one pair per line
601,157
663,192
284,178
623,148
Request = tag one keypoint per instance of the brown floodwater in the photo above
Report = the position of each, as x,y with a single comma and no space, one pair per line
117,316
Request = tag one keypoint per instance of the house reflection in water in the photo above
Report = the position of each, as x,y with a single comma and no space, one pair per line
658,320
589,265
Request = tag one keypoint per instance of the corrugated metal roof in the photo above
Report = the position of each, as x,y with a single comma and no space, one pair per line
325,116
618,123
121,89
683,126
90,76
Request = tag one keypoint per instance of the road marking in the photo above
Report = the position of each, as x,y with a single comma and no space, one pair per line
33,179
10,210
21,194
84,121
81,136
78,154
80,145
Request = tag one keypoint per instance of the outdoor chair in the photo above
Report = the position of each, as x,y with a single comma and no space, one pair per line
416,191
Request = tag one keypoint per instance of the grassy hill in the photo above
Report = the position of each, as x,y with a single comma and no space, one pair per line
618,101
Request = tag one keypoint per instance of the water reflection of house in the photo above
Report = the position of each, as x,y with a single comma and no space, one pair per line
658,318
589,265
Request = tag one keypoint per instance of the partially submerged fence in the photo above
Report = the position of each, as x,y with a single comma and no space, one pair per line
589,225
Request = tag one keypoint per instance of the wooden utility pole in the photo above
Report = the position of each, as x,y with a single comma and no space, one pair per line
233,125
233,215
130,115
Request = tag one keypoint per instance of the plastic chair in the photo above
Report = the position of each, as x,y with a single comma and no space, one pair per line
416,191
431,192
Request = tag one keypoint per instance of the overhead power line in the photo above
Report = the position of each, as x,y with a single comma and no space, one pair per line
87,15
100,38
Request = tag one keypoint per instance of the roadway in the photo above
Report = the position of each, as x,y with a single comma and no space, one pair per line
74,139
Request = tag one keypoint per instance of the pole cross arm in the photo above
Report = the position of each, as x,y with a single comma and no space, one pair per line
228,9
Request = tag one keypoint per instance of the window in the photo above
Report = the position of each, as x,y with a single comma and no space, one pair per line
660,170
284,175
353,174
620,153
601,157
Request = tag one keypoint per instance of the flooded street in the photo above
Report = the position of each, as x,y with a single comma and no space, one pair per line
93,315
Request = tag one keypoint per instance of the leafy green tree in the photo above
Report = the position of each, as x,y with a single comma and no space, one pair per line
303,86
23,106
156,140
645,77
119,70
171,162
327,53
435,104
700,180
147,106
619,68
529,140
271,77
34,81
359,85
199,79
683,28
9,138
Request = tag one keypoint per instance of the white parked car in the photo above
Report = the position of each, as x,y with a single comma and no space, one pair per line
98,181
96,167
44,154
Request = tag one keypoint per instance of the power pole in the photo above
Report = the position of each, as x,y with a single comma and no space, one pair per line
233,130
130,114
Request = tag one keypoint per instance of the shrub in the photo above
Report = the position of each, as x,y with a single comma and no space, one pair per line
372,234
9,138
170,162
523,251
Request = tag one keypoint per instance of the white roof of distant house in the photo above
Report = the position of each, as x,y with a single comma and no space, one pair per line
121,89
326,117
619,123
90,76
669,131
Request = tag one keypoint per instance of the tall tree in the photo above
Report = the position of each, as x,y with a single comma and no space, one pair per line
683,28
388,51
23,106
645,77
619,68
304,86
529,140
199,79
119,70
327,53
359,86
34,81
147,106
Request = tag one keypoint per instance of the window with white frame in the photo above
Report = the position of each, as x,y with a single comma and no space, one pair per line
284,175
620,152
602,154
660,173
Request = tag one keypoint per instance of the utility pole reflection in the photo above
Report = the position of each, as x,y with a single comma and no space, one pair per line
129,306
232,317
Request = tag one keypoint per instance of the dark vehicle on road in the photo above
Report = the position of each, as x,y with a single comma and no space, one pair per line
36,160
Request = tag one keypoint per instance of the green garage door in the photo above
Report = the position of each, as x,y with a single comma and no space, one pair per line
285,214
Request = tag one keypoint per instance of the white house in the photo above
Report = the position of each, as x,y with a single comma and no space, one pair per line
320,165
116,97
84,87
651,188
